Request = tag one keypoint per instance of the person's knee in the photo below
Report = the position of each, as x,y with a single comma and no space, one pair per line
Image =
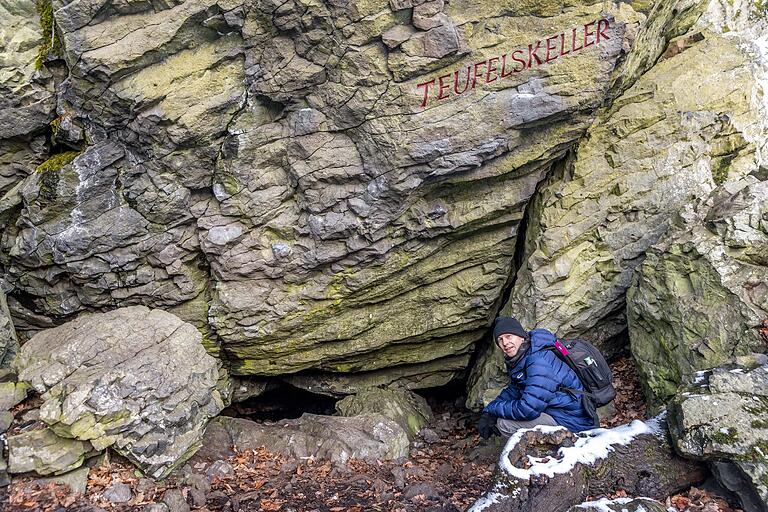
507,427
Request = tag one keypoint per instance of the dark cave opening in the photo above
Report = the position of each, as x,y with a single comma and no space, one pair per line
282,401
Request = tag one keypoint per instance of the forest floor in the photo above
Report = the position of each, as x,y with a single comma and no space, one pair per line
449,467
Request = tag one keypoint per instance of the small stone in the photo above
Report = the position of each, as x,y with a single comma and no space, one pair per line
30,415
175,501
220,469
429,435
399,474
199,482
420,489
289,467
217,499
118,493
444,470
198,498
156,507
145,484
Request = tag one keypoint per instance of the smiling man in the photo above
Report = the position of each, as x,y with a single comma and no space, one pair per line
535,395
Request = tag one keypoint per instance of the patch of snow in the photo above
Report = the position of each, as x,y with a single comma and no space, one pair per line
590,446
485,501
736,370
601,505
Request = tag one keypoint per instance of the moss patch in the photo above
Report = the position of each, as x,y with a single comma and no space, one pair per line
728,437
56,162
51,42
49,175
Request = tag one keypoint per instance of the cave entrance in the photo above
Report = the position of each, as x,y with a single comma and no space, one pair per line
282,401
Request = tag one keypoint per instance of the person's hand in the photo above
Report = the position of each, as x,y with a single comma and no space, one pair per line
486,427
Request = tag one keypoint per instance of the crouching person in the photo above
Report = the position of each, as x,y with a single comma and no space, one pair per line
535,395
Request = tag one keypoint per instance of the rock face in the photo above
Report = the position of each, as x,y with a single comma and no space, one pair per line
135,379
366,436
657,147
9,342
297,179
723,416
702,293
27,102
549,468
407,409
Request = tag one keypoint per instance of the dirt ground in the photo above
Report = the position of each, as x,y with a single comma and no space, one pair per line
449,467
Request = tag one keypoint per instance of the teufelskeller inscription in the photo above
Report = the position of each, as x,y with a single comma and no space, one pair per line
543,51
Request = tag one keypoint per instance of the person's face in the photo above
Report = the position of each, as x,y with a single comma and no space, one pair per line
509,343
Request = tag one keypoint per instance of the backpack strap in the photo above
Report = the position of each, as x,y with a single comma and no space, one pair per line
562,353
573,392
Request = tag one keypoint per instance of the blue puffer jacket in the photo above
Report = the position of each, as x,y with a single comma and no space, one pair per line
533,389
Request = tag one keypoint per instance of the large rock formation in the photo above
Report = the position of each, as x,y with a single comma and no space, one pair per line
26,90
317,186
702,293
135,379
686,125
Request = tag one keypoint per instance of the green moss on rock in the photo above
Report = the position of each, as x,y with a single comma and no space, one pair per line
51,42
49,175
725,436
56,162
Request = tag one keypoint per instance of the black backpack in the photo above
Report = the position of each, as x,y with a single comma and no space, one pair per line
593,371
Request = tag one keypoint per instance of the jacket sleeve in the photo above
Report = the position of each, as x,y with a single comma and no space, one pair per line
511,392
540,387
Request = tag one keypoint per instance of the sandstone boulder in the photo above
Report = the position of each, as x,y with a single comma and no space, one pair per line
367,436
405,408
134,379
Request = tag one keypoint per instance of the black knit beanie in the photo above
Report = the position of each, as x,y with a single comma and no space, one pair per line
507,324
